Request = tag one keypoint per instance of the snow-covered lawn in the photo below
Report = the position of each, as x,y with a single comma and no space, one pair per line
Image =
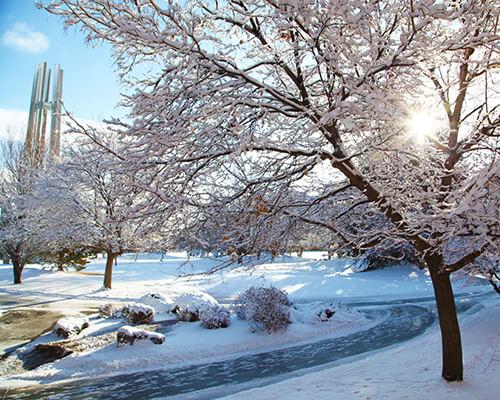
410,371
305,279
302,278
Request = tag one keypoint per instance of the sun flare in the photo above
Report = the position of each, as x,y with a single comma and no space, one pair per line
421,125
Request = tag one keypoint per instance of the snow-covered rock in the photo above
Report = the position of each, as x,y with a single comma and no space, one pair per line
137,313
65,327
129,334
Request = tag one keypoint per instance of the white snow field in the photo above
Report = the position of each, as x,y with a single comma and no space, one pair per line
302,278
305,279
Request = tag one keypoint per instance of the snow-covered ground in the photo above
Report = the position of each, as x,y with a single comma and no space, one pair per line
409,371
305,279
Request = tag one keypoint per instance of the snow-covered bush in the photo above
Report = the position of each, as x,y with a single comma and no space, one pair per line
137,313
66,327
110,310
388,254
129,334
215,317
161,303
189,306
265,308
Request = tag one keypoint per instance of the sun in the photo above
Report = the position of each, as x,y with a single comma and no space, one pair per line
421,125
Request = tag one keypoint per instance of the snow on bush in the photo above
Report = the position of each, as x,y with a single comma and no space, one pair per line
161,303
189,306
65,327
265,308
215,317
129,334
137,313
110,310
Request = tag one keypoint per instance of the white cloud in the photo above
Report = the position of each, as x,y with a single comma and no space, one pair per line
19,36
13,124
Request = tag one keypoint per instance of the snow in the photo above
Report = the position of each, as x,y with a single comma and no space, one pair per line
195,301
186,343
70,324
318,282
130,330
137,308
133,332
304,279
158,301
403,373
314,313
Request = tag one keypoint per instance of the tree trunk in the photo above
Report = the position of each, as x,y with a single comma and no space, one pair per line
18,269
110,258
60,261
448,322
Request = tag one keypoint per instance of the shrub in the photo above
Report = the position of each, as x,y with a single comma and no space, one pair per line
189,307
215,317
110,310
136,313
265,308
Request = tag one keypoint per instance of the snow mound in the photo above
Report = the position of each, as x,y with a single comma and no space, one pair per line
195,301
189,306
321,312
161,303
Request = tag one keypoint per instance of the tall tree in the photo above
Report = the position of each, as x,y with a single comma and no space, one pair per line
97,203
291,89
18,221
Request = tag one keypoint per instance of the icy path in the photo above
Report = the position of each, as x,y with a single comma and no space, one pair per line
404,323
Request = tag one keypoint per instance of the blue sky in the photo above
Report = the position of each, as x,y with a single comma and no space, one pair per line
29,36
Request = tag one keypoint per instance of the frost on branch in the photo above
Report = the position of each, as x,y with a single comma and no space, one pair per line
265,308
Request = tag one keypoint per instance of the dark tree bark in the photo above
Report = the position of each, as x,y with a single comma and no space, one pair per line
452,367
110,258
18,269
